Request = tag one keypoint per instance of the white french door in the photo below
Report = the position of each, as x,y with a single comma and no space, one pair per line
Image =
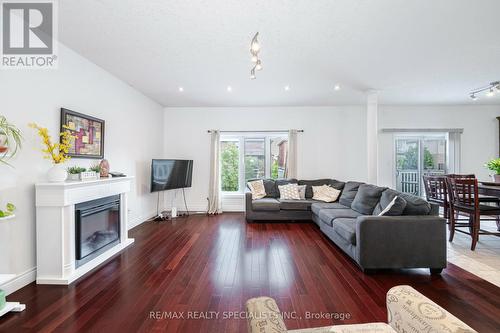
416,156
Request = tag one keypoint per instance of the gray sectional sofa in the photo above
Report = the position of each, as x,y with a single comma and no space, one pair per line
410,235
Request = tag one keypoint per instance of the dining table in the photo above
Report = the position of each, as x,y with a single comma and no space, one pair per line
491,189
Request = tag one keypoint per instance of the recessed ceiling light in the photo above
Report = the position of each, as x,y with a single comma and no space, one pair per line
229,88
336,87
287,88
181,89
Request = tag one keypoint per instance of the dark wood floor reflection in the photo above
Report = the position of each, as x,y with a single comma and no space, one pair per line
213,264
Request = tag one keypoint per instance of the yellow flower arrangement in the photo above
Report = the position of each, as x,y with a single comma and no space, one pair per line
57,152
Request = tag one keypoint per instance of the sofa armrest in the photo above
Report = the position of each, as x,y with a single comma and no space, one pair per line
410,311
401,242
263,316
248,200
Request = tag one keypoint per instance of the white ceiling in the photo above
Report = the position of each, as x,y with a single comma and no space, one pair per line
412,51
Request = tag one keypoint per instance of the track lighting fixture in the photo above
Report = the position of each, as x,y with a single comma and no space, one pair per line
254,50
489,88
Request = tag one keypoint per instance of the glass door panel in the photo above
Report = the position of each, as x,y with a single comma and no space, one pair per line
407,166
416,157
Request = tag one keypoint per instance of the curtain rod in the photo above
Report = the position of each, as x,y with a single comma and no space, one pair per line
264,131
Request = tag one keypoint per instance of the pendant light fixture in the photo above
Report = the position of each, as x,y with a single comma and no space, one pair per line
254,51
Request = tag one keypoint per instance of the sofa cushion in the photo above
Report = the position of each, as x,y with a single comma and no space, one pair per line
318,182
367,198
346,228
386,198
327,216
266,204
269,186
317,206
280,182
415,205
296,204
349,192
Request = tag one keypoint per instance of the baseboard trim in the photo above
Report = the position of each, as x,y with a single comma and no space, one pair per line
20,281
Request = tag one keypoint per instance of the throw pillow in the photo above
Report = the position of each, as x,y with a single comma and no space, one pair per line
257,188
302,192
367,198
388,208
387,197
325,193
289,192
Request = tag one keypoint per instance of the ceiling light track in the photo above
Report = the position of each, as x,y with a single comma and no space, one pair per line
254,51
492,88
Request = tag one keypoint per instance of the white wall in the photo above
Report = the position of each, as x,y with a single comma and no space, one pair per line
479,141
133,136
333,143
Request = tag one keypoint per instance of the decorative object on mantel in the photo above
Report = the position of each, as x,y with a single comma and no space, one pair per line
74,172
494,165
10,140
89,175
104,168
88,132
97,169
56,152
8,213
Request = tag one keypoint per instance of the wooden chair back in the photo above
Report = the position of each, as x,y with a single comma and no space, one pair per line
463,192
435,189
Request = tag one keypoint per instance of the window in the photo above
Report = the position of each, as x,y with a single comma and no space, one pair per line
252,156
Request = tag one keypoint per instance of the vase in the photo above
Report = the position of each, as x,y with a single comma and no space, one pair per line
74,176
57,174
496,178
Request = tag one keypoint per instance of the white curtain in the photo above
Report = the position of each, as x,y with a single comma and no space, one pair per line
214,196
291,157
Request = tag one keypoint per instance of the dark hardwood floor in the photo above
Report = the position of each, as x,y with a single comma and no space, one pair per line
216,263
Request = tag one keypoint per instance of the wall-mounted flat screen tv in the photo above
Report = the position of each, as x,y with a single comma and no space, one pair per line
171,174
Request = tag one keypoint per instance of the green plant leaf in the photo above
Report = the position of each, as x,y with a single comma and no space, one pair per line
10,207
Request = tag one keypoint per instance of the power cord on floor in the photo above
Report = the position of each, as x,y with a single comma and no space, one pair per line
185,204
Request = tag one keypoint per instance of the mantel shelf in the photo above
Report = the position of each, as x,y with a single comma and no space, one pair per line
80,183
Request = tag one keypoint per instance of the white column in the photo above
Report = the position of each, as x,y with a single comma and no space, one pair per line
372,136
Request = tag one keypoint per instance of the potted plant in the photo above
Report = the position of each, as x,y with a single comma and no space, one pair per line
56,152
10,140
494,165
74,172
97,169
8,212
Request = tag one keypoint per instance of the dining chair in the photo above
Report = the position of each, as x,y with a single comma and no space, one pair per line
435,191
482,198
464,198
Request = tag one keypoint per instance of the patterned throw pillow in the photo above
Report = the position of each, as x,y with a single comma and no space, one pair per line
257,188
325,193
302,192
289,192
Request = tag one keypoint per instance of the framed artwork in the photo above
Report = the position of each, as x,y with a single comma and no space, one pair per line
88,132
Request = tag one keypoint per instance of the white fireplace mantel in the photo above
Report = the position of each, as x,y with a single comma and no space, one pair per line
55,226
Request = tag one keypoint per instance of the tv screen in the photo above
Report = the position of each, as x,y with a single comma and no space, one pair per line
170,174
